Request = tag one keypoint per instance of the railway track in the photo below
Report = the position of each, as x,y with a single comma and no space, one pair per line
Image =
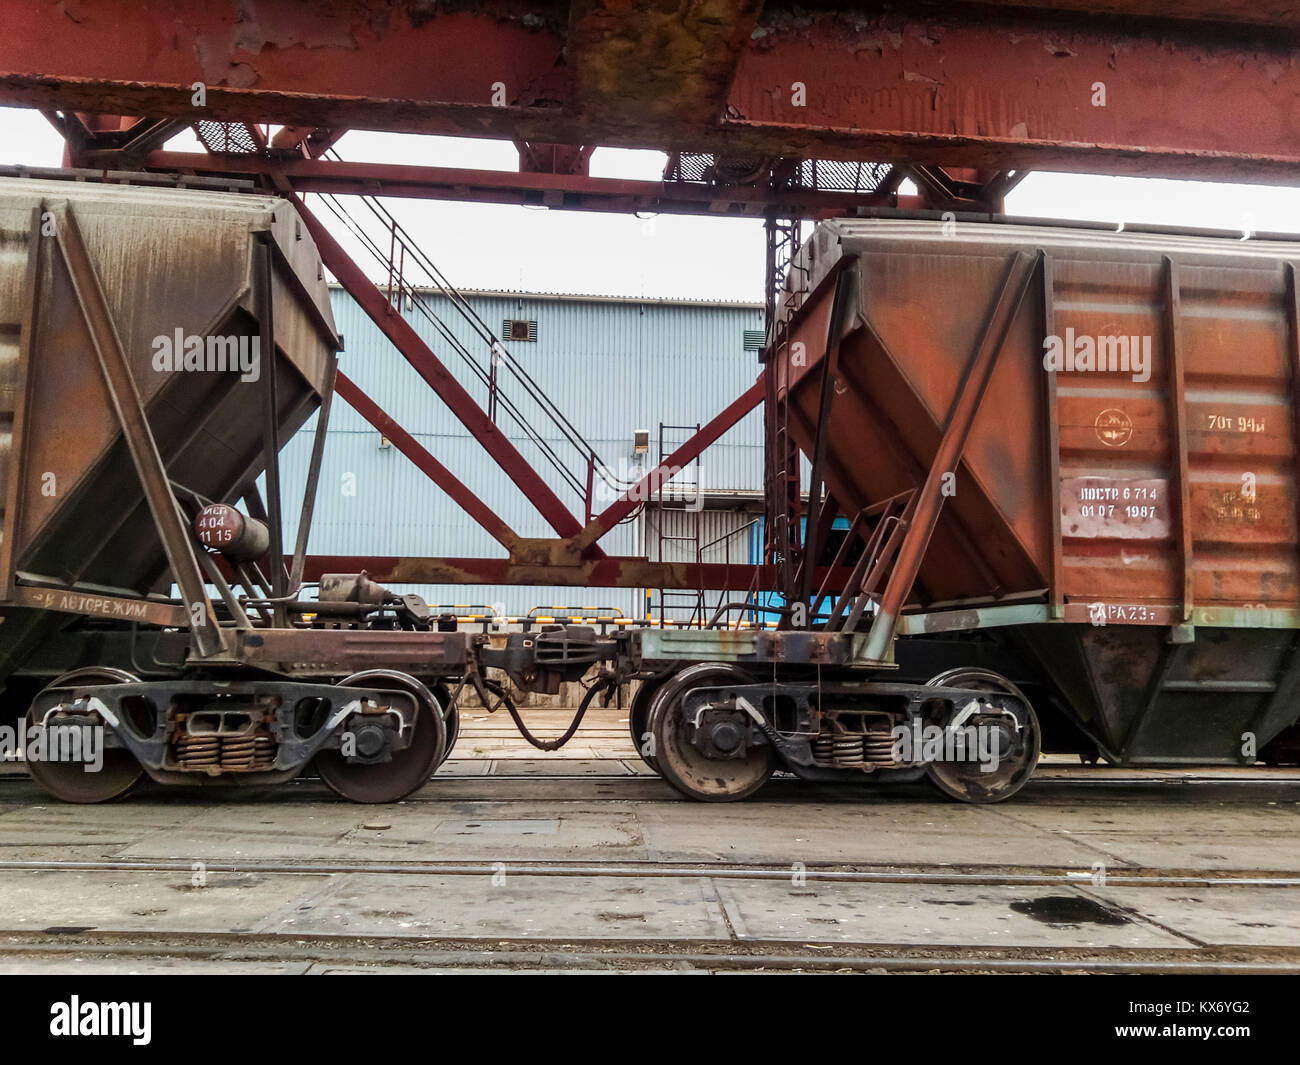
1029,876
59,946
324,954
344,907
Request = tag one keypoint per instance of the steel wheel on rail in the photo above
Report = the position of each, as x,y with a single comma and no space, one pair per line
450,719
70,781
684,767
409,768
638,718
1015,737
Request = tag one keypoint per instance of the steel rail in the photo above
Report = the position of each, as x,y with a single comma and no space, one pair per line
645,869
605,954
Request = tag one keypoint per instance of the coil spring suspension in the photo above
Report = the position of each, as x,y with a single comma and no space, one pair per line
879,746
839,750
251,751
850,750
198,753
236,753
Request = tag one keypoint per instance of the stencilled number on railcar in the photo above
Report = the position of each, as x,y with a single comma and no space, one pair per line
1225,423
1116,612
213,529
1110,508
1236,507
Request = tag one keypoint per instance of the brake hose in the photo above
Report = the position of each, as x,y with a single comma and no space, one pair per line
604,682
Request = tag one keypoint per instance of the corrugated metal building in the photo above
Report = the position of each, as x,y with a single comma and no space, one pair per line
611,367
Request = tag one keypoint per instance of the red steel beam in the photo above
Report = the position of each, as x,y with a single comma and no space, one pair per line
561,191
993,87
431,467
1041,91
650,484
440,379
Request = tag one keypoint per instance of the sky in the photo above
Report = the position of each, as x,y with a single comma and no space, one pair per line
670,256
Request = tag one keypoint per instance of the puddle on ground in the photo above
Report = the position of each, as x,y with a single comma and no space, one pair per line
1068,911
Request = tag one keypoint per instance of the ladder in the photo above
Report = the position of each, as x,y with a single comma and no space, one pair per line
692,521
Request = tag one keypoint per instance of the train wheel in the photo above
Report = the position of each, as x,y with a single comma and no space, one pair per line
638,719
450,717
70,781
1016,738
451,722
409,768
685,768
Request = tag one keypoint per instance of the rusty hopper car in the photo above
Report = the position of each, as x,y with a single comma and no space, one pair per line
1068,458
156,346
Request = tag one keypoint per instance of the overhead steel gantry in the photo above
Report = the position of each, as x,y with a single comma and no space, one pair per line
769,110
1197,88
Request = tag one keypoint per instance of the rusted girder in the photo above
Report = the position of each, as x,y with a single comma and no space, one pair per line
1045,84
667,64
554,158
442,381
1039,90
484,515
650,486
560,191
1268,13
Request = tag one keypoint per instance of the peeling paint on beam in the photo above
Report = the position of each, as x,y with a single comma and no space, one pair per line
1022,90
966,86
663,63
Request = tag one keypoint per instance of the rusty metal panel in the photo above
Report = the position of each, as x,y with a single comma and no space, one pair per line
329,650
172,264
1215,354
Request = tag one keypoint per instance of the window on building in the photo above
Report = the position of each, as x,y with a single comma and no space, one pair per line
519,329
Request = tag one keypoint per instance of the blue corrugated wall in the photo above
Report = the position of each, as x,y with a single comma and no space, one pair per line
611,367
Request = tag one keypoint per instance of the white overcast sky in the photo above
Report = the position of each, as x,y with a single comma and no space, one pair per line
535,249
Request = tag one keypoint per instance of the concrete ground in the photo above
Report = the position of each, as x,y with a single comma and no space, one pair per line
584,860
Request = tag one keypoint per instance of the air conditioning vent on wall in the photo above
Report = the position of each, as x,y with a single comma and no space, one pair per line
519,330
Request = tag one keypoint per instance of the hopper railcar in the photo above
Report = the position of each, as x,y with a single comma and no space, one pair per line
156,347
1051,544
1070,461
